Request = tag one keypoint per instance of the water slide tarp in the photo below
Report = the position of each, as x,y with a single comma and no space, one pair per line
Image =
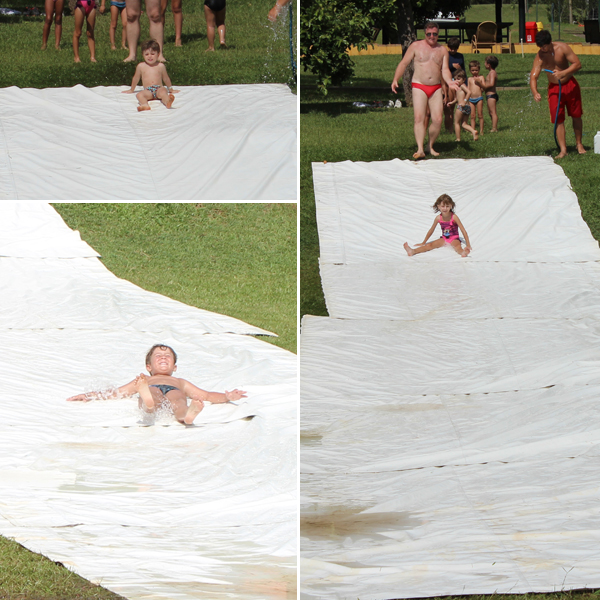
450,414
221,142
139,503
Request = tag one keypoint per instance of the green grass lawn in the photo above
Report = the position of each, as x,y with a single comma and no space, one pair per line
235,259
332,130
259,52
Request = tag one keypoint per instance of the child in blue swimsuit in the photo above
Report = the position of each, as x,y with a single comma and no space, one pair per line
162,389
117,7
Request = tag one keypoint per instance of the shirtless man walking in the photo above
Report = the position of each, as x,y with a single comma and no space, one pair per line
431,64
559,58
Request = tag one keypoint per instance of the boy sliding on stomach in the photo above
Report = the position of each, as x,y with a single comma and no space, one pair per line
162,388
153,73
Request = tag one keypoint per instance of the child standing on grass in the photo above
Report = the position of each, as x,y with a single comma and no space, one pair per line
153,74
117,7
463,108
450,224
54,8
162,389
85,10
476,98
488,85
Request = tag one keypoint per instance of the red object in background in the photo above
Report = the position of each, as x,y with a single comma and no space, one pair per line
530,32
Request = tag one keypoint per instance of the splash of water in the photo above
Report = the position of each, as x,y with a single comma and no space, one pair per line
277,59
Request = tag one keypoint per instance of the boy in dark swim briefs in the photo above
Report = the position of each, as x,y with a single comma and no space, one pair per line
214,12
476,98
153,74
161,388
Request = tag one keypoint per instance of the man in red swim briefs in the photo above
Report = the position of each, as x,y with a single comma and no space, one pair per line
430,64
559,58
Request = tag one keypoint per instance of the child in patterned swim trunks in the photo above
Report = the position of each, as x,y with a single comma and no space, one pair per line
463,108
161,388
153,75
450,225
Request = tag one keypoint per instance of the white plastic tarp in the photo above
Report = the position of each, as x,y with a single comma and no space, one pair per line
448,423
147,507
225,142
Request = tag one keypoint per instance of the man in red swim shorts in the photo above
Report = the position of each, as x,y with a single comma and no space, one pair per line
559,58
431,64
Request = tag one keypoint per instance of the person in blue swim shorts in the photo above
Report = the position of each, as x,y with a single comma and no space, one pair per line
162,389
117,7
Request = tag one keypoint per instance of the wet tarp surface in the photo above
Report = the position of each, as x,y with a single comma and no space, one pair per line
449,413
139,503
221,142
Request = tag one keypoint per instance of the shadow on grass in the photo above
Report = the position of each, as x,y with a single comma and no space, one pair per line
186,38
334,109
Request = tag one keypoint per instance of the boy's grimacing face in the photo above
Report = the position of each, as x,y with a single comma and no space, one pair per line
150,56
162,362
474,70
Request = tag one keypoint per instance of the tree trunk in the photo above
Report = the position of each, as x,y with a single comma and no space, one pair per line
406,36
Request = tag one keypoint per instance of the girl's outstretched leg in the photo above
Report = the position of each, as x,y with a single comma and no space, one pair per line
458,247
423,247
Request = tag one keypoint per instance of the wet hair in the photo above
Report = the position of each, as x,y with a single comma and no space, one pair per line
443,199
151,45
543,37
475,63
454,43
460,74
431,25
492,61
162,347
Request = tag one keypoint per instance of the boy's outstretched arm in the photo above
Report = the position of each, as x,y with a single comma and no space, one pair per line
213,397
136,78
122,392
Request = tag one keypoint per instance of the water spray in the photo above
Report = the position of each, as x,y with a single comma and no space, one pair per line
292,41
557,106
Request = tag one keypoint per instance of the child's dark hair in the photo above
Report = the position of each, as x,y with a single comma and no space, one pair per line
475,63
492,61
151,45
443,199
454,44
162,347
460,74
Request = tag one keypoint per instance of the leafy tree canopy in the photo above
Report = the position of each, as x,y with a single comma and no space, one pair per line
328,28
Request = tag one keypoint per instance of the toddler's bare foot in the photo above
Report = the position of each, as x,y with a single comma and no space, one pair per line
93,60
408,249
433,152
223,46
129,58
209,50
43,46
562,154
494,130
170,101
143,107
77,60
193,411
144,391
419,154
113,47
580,149
178,43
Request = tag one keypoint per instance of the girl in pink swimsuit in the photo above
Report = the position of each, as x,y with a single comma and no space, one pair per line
450,225
85,10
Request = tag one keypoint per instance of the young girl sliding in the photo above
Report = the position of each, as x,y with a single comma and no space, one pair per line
450,224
